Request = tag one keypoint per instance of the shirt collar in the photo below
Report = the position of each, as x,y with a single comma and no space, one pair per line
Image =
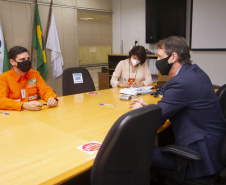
18,77
178,71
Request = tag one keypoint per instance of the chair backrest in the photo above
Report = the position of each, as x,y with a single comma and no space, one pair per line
69,87
221,93
223,151
125,155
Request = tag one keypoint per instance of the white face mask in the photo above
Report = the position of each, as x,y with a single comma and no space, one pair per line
134,61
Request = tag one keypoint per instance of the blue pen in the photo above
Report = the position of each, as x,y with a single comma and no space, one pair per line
125,79
107,104
132,85
4,113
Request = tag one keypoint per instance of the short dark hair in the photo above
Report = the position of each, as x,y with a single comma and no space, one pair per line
178,45
16,50
140,52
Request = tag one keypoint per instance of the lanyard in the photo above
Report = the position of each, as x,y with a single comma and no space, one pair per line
132,69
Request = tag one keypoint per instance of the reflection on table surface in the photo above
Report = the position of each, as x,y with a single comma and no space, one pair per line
40,147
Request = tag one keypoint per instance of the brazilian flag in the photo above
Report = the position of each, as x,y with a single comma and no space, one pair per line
39,44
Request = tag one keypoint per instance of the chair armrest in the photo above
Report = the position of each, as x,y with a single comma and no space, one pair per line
182,152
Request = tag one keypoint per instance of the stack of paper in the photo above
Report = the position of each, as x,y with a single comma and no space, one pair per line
136,91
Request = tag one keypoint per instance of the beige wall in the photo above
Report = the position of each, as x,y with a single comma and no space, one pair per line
17,22
95,37
132,18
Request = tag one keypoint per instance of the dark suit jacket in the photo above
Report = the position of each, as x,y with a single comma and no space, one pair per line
189,101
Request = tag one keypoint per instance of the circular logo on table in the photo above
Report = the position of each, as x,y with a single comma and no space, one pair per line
92,93
91,147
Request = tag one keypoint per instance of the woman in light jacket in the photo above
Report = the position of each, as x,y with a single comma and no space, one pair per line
133,71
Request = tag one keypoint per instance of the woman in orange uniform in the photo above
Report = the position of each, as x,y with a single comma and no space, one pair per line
21,86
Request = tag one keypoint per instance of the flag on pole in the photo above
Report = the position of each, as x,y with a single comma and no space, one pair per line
54,45
39,45
4,60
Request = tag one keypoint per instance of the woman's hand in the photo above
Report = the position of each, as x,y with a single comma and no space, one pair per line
123,84
138,84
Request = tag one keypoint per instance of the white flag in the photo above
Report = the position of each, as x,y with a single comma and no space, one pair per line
54,45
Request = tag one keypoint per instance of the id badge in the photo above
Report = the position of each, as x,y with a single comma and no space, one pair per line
131,80
23,93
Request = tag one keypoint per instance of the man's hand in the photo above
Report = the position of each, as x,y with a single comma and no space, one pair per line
52,102
123,84
135,104
32,105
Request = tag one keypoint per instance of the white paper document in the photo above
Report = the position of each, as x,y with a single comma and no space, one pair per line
136,91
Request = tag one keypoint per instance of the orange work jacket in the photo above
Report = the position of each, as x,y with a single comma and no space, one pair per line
15,89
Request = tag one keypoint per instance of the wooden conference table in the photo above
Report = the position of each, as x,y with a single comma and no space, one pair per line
40,147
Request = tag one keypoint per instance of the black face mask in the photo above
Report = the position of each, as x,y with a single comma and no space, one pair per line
24,66
163,66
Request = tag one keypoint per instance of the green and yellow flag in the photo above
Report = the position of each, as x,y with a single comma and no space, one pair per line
4,60
39,44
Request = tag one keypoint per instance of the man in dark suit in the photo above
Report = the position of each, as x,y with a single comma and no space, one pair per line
191,105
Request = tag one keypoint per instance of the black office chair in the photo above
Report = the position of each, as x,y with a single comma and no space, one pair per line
184,155
125,155
221,93
69,87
